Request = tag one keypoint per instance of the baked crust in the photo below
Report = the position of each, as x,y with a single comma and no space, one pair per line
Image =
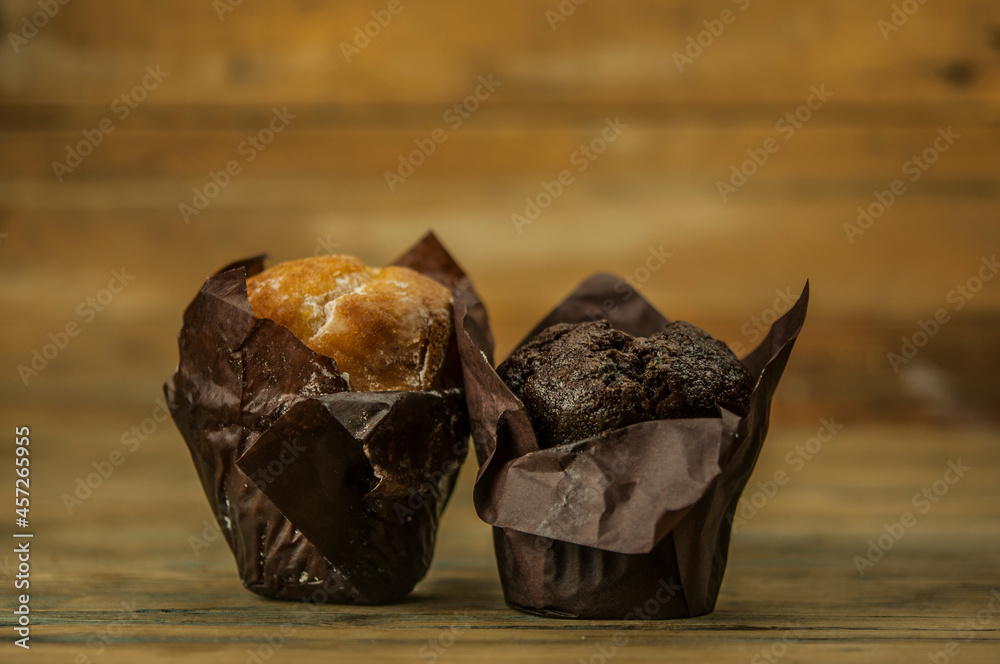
580,379
387,328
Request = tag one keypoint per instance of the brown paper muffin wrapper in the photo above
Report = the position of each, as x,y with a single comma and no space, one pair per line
630,524
323,494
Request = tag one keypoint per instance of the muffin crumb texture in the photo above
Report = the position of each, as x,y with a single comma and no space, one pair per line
577,380
387,328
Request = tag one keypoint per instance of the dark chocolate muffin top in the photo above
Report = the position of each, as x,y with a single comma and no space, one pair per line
577,380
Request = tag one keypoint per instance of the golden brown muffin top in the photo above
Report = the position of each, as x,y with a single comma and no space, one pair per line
387,329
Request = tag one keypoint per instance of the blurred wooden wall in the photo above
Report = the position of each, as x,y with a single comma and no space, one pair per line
320,185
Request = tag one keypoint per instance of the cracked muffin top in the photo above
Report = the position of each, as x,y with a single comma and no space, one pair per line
577,380
387,328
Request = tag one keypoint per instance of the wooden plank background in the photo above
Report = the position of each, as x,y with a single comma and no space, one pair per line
320,186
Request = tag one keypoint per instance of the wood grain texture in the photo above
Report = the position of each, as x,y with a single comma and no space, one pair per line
117,580
92,52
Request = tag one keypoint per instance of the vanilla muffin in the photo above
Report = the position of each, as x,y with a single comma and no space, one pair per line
387,328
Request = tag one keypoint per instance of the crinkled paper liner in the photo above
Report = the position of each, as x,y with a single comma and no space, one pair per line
324,495
629,524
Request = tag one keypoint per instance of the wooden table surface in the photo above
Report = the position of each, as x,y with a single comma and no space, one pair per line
122,577
134,576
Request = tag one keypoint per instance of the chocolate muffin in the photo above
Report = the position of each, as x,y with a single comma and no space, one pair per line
579,380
